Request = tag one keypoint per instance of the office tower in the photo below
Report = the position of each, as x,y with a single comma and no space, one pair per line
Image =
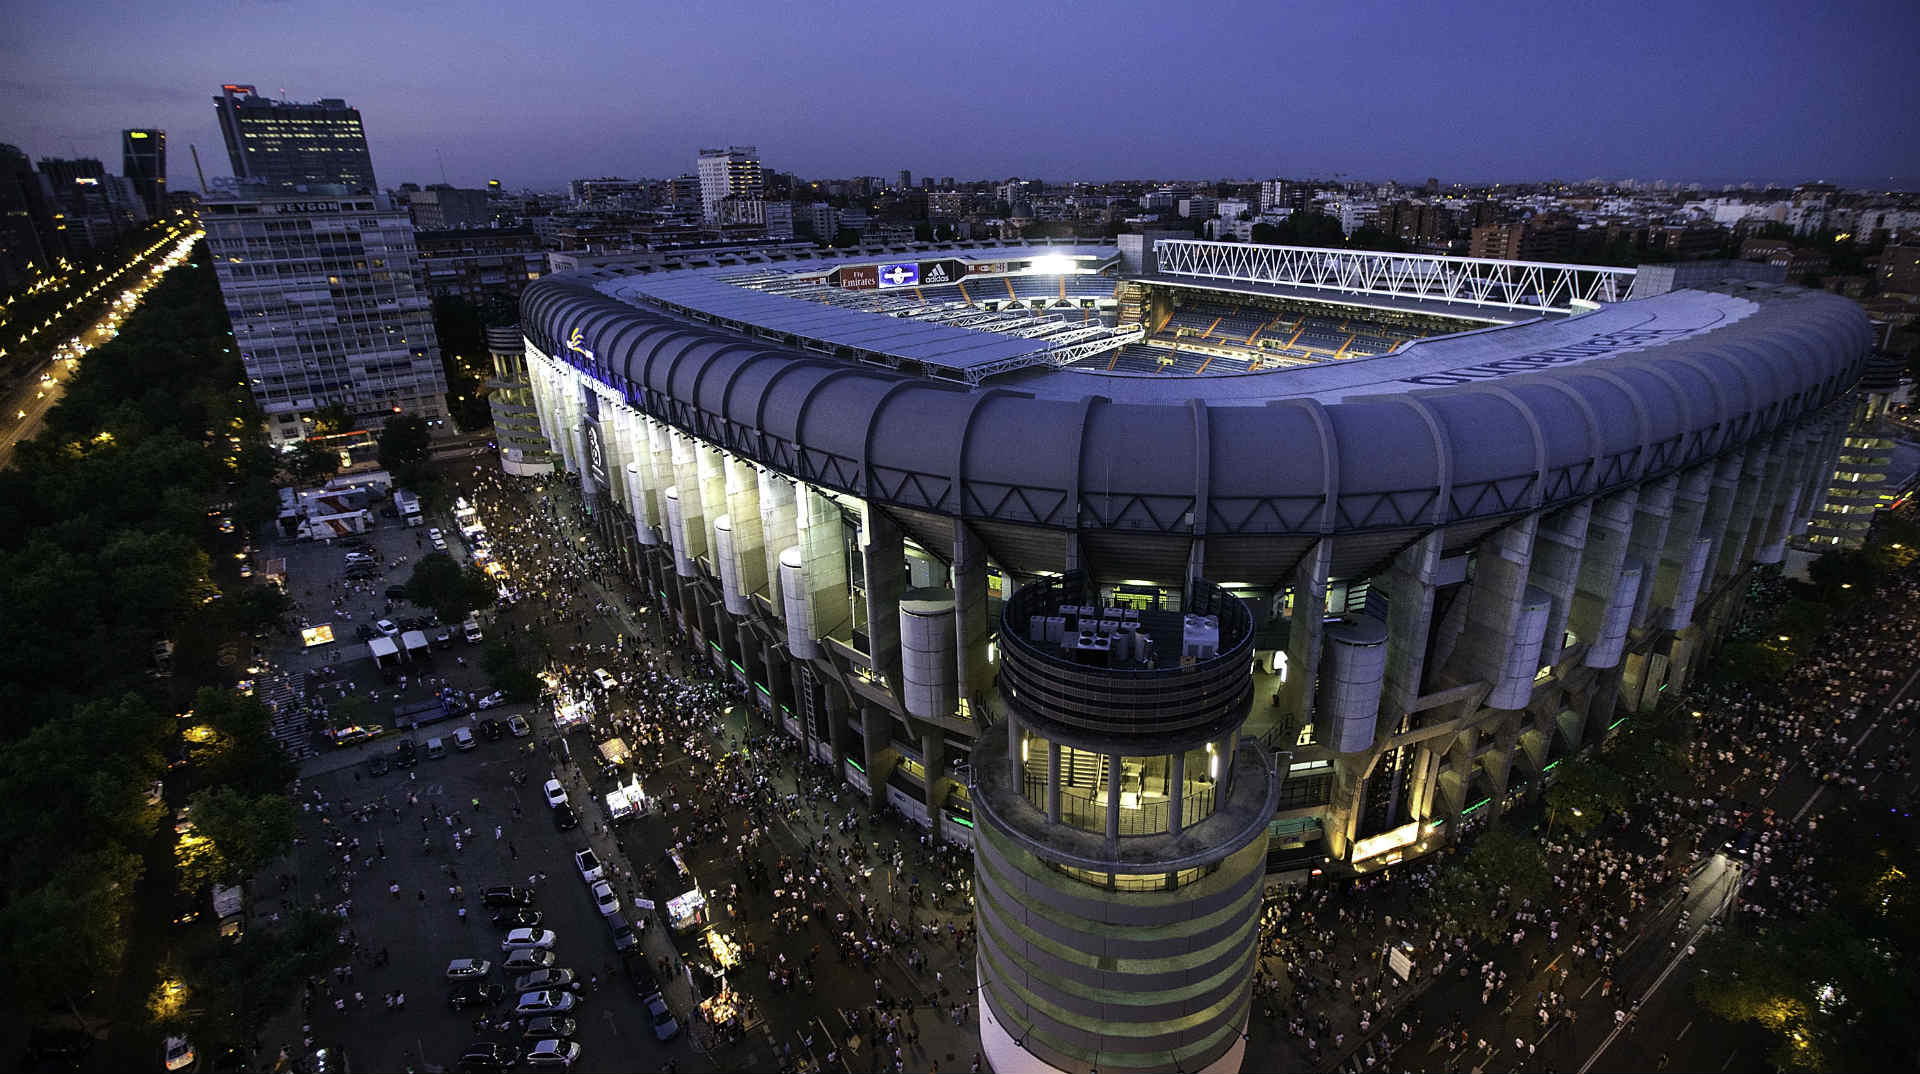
906,179
91,208
728,173
440,207
285,144
329,306
143,160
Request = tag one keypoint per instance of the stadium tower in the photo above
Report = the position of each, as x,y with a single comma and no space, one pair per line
1121,834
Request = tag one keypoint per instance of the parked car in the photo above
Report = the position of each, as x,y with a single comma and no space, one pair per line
463,739
475,994
547,981
535,1004
541,938
504,895
551,1027
556,794
378,765
498,697
665,1026
386,627
396,592
589,865
605,899
177,1053
488,1056
491,730
519,726
518,917
365,632
465,969
527,958
565,819
443,640
624,938
605,679
406,756
553,1055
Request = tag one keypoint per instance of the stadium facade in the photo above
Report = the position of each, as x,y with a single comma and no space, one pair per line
1403,531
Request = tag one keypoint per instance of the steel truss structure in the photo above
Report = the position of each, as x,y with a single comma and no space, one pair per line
1515,285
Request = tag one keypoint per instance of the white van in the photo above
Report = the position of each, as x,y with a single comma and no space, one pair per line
471,628
463,739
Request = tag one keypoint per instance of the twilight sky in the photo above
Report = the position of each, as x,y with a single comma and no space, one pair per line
535,93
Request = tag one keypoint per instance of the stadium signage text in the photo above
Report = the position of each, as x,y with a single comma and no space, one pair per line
859,277
575,344
1609,343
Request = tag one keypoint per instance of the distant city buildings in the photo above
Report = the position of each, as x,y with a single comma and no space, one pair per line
440,207
284,144
475,264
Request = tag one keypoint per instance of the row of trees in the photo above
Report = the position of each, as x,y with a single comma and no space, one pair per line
103,532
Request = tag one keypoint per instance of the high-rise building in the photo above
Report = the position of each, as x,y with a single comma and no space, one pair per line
1120,831
480,263
733,172
285,144
143,160
91,208
440,207
906,179
29,243
329,306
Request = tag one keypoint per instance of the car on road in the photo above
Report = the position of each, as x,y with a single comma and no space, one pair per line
365,632
463,739
665,1026
491,730
443,640
527,958
498,697
406,756
553,1055
386,627
551,1027
505,895
535,1004
605,899
466,969
226,525
541,938
556,794
362,572
475,994
378,765
589,865
547,981
177,1054
605,679
353,736
518,917
564,818
433,534
519,726
396,592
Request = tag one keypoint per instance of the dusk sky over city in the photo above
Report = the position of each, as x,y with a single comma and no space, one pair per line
534,94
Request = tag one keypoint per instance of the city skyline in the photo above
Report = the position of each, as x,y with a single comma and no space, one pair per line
1357,91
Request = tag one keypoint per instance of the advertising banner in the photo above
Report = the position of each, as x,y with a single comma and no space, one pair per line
903,274
859,277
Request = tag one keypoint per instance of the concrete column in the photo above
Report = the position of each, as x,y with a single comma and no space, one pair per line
1731,555
884,553
711,468
839,723
1304,631
1410,588
779,531
1559,545
970,615
1599,586
778,678
1343,813
1053,781
1113,799
933,753
1177,796
823,541
1501,568
1652,518
876,742
686,484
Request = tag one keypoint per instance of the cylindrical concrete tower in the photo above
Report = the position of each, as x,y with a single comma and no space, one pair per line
1121,835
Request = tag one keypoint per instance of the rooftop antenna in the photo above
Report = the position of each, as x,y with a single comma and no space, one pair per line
443,166
197,170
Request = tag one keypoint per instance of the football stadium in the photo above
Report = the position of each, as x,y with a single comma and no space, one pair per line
1150,568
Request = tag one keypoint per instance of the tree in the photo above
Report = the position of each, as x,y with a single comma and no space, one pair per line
1479,888
249,832
332,418
309,463
239,985
403,447
67,936
449,589
506,672
1582,794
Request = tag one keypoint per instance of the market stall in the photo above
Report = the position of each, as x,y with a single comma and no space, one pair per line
688,911
627,800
